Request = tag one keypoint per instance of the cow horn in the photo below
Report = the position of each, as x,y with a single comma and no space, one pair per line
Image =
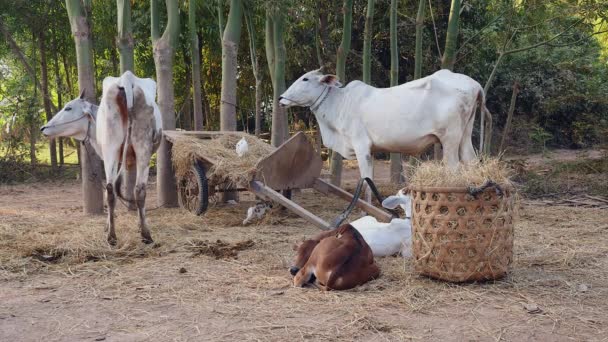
321,69
82,94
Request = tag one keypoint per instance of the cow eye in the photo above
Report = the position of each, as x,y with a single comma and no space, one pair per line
305,79
67,109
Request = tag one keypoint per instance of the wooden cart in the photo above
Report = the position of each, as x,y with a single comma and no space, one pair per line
293,165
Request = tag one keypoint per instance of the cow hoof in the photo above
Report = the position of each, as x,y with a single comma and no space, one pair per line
112,240
147,239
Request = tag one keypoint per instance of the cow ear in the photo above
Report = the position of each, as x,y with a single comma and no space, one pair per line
331,80
90,117
391,202
82,94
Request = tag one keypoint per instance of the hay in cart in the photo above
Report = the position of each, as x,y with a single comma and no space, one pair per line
218,154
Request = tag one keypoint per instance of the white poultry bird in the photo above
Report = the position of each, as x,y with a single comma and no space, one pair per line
242,147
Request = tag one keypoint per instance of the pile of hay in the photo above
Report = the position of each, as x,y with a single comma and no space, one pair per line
475,174
227,167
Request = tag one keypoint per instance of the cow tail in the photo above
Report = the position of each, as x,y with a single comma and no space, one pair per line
125,111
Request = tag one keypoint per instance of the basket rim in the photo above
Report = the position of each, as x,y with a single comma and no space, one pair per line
451,188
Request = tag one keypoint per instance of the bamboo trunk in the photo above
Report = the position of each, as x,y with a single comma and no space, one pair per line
280,129
197,102
396,165
505,131
449,53
91,168
124,41
46,99
342,54
124,38
164,49
256,72
230,42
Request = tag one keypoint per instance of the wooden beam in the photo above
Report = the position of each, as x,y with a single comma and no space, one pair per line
171,134
327,188
263,191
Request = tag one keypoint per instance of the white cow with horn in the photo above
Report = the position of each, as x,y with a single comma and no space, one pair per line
358,119
125,130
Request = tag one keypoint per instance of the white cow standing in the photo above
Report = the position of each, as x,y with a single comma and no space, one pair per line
359,119
127,129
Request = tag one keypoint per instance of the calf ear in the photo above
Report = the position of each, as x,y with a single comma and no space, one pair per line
331,80
391,202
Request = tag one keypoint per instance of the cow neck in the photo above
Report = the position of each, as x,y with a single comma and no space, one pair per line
328,109
91,133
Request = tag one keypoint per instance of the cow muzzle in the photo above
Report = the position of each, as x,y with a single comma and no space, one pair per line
293,270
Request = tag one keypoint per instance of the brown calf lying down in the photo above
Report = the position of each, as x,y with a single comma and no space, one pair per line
339,261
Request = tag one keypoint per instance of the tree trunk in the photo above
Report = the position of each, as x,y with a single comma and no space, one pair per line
367,42
505,131
342,54
197,102
164,49
419,33
256,72
220,18
207,109
318,45
46,99
230,43
451,38
90,162
66,70
396,166
280,129
124,40
449,53
59,89
418,55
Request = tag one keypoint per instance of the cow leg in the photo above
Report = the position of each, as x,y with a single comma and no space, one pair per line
111,153
467,151
140,200
450,151
143,152
366,168
110,222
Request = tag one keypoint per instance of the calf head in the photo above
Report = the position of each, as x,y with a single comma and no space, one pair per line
304,250
401,199
72,120
308,89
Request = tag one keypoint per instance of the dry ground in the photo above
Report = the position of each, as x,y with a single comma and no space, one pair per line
59,281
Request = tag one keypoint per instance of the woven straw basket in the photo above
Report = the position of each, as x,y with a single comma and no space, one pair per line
458,237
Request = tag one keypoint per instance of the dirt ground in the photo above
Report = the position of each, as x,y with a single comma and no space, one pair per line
59,281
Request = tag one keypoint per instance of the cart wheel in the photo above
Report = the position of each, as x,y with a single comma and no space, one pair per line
193,189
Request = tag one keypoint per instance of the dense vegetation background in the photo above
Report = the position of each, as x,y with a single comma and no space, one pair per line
556,51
